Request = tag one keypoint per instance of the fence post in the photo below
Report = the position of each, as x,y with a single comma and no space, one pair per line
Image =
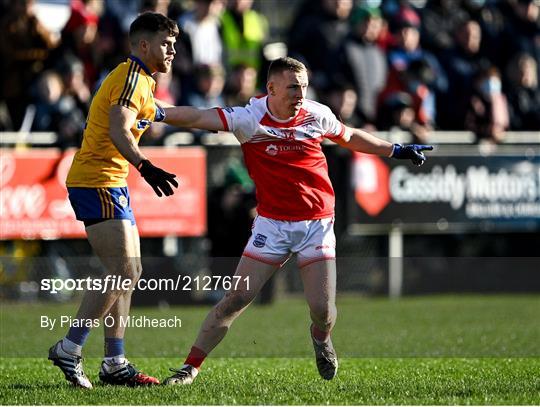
395,262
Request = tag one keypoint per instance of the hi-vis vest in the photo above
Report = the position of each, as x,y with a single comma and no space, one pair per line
244,48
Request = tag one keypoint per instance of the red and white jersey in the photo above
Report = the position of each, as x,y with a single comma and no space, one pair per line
284,158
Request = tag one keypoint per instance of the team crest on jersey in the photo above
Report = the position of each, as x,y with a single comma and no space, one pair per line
259,241
122,200
143,123
271,149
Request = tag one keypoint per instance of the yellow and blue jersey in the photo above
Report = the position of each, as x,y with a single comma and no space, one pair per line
98,164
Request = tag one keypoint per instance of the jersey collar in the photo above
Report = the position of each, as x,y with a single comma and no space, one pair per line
141,63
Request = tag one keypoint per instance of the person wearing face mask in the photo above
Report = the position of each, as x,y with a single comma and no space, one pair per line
487,111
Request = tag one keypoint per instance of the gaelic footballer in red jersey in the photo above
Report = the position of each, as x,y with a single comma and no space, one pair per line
281,135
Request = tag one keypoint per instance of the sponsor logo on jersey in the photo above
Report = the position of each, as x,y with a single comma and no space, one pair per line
271,149
259,241
143,123
122,200
293,147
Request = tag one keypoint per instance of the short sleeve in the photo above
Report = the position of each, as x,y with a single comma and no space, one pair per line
238,120
333,128
160,114
130,93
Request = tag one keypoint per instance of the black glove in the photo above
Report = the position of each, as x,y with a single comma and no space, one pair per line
411,152
158,179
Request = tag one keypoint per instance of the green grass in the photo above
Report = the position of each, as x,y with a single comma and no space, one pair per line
286,381
421,350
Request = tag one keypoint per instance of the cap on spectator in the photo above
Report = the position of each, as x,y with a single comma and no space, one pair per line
407,17
361,14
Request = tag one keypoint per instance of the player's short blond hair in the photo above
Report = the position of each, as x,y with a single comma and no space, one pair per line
285,64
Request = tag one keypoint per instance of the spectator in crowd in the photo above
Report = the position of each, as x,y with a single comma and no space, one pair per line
522,33
241,85
487,110
414,83
231,210
462,64
202,27
72,72
210,80
362,63
25,45
492,23
57,111
440,19
316,37
397,113
79,37
165,88
342,100
408,49
244,32
125,11
112,42
523,93
155,6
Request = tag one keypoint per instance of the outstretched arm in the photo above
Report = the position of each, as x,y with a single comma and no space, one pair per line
364,142
191,117
361,141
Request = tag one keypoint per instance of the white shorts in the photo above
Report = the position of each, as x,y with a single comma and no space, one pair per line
273,241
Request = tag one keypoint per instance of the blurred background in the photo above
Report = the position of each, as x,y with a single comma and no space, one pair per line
459,74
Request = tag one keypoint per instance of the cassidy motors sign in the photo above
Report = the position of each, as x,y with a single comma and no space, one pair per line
456,188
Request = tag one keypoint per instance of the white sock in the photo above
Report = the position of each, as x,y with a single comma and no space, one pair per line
115,360
71,347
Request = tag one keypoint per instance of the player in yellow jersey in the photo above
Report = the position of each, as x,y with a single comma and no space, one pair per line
122,109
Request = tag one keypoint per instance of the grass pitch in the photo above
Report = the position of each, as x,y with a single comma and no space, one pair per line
422,350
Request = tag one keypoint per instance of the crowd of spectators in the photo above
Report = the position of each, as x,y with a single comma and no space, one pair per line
379,64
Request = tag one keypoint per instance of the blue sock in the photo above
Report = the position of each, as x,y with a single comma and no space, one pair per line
114,347
78,335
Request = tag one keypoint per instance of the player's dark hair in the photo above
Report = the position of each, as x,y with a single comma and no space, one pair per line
285,64
152,23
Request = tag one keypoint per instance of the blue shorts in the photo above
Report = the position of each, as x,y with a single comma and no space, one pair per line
101,203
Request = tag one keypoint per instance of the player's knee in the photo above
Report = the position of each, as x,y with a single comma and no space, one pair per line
324,313
234,301
132,270
137,270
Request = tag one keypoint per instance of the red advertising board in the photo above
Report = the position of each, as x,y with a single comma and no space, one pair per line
34,203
